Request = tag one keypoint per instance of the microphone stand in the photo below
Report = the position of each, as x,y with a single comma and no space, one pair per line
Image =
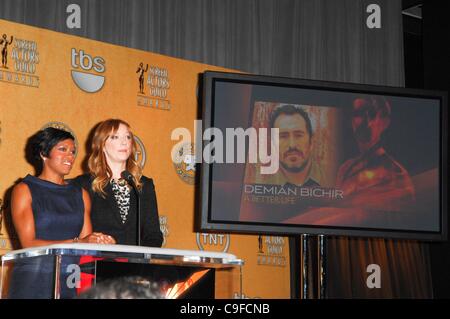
138,215
129,178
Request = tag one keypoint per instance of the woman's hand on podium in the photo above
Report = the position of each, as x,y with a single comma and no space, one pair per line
98,238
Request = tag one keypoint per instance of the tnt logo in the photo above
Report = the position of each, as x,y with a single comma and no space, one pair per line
82,63
213,242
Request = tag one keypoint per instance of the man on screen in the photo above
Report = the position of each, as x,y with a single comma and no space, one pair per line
275,197
295,148
374,179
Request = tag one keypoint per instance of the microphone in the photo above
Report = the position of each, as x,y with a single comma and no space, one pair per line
126,175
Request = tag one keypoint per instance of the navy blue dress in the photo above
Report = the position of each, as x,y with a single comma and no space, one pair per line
58,212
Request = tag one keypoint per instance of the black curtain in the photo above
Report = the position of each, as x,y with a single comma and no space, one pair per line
436,76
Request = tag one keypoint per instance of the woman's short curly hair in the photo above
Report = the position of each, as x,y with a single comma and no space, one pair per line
44,140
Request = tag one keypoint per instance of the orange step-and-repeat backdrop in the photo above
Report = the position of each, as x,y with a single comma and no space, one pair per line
49,78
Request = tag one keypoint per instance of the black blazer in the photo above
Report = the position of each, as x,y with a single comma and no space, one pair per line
106,219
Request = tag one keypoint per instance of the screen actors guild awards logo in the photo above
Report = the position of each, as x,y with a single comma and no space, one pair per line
141,155
185,162
273,252
260,245
25,55
141,72
154,85
4,46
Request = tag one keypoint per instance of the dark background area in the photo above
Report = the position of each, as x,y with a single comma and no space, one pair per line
427,66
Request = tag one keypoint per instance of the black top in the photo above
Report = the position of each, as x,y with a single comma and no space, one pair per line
58,210
105,214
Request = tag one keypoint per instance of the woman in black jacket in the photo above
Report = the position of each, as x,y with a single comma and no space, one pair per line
114,203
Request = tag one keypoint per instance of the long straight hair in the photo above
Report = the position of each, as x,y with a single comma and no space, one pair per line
98,166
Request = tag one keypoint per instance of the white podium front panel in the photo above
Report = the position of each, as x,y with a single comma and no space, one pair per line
46,267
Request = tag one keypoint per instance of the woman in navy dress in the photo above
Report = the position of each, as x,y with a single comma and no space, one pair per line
47,210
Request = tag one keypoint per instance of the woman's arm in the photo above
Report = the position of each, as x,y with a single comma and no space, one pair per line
87,225
86,235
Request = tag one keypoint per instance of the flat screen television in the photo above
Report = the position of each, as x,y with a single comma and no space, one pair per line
290,156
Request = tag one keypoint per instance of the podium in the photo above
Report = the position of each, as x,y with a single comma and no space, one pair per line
57,271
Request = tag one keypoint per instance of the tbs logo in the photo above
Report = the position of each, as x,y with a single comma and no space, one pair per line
84,63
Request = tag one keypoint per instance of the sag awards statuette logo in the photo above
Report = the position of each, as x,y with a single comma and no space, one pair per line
237,295
25,56
83,66
213,242
154,85
141,154
65,127
164,226
271,251
185,162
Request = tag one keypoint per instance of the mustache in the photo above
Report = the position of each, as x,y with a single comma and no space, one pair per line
293,151
363,133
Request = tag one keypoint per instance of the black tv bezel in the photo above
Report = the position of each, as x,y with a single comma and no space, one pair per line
205,224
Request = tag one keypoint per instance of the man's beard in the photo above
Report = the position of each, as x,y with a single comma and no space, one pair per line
363,134
295,169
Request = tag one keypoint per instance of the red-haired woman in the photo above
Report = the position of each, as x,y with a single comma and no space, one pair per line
114,209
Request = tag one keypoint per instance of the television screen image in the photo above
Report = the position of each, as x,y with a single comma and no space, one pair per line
353,160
